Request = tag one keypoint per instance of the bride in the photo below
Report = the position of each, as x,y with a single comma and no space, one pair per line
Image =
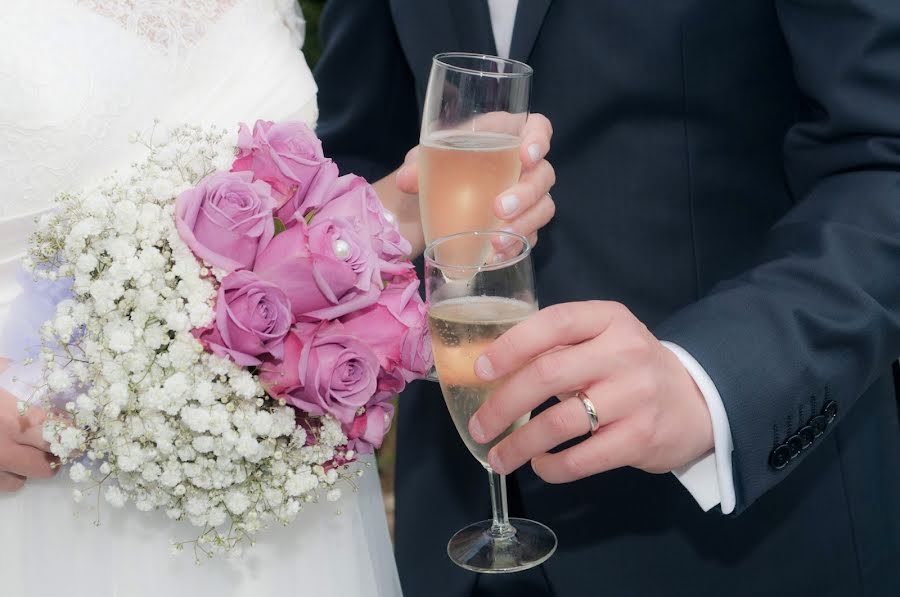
77,78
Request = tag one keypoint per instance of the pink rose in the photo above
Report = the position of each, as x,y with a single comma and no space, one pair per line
324,269
397,330
286,155
354,200
325,370
366,432
226,219
318,192
252,319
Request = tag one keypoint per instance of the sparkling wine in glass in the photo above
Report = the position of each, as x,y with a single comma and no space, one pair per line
475,110
471,303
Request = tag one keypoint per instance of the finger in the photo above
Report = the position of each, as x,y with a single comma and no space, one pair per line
407,176
559,423
559,325
530,189
28,461
536,139
527,224
612,447
554,373
31,429
585,368
10,482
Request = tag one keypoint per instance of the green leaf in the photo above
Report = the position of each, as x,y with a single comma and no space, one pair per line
310,215
279,227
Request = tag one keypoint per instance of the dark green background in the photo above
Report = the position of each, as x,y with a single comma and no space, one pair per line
311,47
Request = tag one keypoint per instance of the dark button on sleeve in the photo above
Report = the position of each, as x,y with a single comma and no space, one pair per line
818,423
779,457
830,410
807,435
795,445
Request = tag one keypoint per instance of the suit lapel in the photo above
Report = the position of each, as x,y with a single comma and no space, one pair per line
472,26
529,18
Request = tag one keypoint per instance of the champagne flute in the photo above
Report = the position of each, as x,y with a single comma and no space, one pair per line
471,304
474,113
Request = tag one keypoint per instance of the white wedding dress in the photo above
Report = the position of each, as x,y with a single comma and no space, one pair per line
77,77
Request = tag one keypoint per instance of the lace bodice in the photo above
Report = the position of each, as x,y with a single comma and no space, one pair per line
77,77
170,25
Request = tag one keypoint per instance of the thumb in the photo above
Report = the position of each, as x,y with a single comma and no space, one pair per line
408,175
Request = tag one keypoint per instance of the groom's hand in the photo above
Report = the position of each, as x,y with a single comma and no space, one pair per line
652,416
23,451
526,207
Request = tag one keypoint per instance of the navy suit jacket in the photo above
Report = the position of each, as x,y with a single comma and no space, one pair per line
731,172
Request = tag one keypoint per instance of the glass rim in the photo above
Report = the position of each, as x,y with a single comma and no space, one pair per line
441,59
428,254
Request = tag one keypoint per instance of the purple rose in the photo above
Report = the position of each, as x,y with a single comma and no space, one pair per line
324,270
396,329
324,370
366,432
252,319
286,155
317,193
226,219
354,200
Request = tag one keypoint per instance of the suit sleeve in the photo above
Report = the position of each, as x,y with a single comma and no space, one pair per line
368,111
817,319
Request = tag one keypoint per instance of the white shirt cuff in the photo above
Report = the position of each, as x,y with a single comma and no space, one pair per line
709,479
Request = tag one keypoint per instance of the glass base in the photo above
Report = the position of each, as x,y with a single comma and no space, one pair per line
475,549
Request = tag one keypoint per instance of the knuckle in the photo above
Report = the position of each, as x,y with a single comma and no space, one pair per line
643,434
645,386
550,174
618,310
550,206
547,369
562,317
574,465
559,422
635,346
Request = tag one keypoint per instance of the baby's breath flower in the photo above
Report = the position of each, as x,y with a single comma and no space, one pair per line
164,424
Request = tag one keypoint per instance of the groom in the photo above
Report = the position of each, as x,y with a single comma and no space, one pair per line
730,172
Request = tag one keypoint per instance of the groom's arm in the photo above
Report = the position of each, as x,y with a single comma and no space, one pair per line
367,102
817,320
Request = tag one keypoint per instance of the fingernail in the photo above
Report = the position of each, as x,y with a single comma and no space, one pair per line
495,462
504,240
509,204
534,152
475,429
484,369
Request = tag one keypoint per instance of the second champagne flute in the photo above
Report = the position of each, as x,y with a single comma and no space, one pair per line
471,304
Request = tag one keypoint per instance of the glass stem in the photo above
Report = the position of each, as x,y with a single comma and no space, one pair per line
500,529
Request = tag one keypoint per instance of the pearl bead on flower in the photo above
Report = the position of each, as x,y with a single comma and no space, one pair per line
341,249
390,217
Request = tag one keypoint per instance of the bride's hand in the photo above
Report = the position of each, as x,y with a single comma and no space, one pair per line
527,206
23,451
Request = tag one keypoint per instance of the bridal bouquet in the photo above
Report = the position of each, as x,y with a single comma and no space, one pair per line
240,317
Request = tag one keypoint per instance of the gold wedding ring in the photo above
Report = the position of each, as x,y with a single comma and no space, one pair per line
591,411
